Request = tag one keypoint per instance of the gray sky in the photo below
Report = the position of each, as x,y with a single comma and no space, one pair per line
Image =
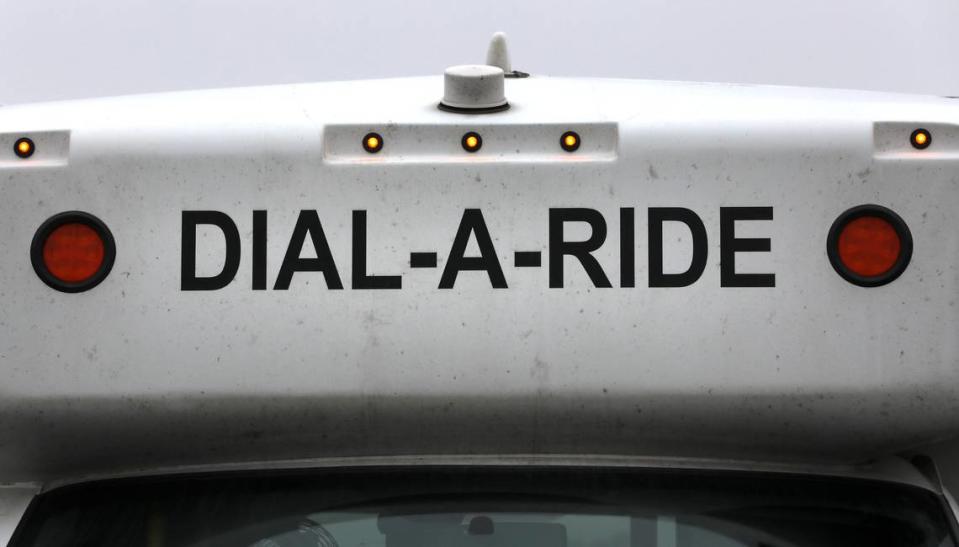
83,48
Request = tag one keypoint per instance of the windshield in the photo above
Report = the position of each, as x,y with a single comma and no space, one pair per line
470,507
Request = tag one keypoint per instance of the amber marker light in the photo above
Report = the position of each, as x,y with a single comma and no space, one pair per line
569,141
372,143
24,148
472,141
920,139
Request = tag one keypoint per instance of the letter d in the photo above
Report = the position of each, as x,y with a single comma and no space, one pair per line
188,278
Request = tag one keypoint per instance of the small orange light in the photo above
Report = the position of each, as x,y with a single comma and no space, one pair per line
372,143
472,141
73,252
24,147
569,141
920,139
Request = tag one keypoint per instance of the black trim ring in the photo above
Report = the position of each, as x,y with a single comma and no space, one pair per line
372,149
479,142
915,144
905,245
54,222
481,110
16,147
566,147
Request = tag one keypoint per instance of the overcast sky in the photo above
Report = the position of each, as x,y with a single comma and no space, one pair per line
83,48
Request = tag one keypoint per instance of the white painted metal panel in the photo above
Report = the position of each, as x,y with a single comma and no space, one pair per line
138,372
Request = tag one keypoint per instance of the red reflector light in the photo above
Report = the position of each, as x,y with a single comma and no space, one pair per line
869,245
73,252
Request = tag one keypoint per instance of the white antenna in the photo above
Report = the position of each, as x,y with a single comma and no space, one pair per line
498,53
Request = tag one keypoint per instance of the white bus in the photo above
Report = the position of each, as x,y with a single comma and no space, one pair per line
483,309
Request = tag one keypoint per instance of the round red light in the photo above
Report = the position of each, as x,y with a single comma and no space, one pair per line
73,252
869,246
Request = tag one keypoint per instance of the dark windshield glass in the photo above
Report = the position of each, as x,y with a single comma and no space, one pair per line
469,507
